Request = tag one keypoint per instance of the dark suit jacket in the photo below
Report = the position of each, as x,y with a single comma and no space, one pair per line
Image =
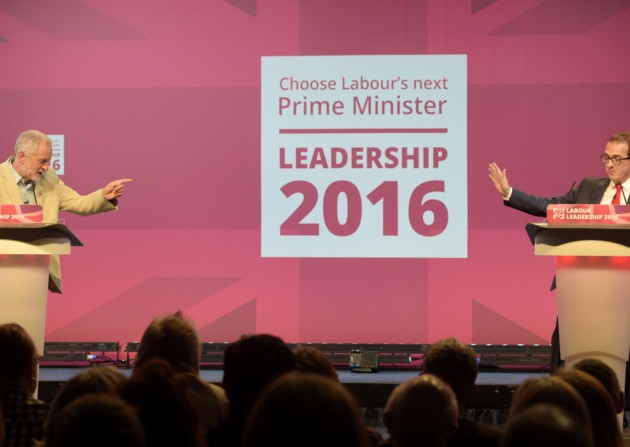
589,191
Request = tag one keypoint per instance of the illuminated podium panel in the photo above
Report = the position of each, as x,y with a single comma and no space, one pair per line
593,290
25,252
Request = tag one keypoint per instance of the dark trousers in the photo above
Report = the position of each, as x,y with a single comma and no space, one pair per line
555,361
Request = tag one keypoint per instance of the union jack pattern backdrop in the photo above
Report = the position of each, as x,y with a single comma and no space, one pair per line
168,93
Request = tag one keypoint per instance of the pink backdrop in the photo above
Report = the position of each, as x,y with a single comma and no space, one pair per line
168,93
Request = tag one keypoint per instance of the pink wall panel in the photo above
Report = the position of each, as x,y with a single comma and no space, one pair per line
139,274
499,293
379,299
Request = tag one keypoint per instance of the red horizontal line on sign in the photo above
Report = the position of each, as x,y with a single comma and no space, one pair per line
368,130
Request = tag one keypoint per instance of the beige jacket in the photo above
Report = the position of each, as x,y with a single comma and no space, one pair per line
53,195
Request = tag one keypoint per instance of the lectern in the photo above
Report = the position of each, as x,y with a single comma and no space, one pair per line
593,290
25,252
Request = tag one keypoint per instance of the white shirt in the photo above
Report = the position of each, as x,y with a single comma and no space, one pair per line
611,190
27,190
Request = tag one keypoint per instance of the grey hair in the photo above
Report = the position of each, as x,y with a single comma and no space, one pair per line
29,141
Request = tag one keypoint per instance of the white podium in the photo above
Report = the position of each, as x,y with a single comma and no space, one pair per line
25,252
593,291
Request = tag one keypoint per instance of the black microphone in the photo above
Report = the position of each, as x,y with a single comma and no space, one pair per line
625,199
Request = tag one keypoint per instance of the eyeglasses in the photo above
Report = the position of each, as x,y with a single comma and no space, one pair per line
615,160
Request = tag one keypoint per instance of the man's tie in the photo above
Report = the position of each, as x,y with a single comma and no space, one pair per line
617,199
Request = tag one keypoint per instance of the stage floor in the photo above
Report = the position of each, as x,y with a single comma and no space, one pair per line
384,376
495,388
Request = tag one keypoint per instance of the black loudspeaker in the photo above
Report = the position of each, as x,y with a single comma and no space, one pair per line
363,361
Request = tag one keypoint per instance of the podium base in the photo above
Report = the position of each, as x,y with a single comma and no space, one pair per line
24,293
594,310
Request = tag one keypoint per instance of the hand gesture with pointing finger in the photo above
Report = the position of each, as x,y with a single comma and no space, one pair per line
115,189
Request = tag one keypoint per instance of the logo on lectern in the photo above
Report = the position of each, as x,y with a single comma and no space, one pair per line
558,213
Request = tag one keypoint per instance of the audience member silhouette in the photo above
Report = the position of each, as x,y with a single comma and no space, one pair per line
102,379
456,364
172,338
311,359
175,339
306,410
24,415
283,398
421,412
165,405
1,428
601,408
607,377
549,390
250,364
98,420
546,425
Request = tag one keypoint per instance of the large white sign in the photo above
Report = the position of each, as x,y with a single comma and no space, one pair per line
364,156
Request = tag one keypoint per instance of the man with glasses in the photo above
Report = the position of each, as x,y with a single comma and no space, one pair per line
589,191
613,189
27,178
